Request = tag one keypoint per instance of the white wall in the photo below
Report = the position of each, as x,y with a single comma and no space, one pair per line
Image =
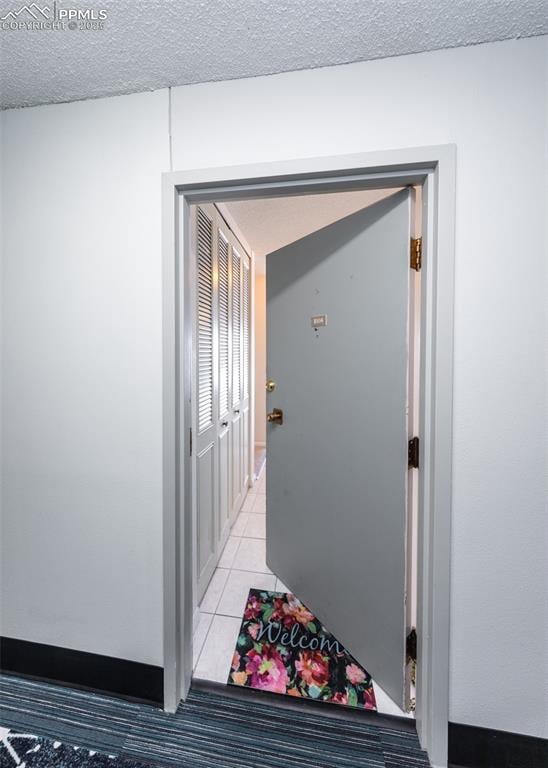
491,101
82,347
260,357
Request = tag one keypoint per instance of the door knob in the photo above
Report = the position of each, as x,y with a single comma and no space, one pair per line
275,417
270,385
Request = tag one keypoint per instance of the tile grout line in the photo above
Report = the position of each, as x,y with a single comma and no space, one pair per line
195,666
232,569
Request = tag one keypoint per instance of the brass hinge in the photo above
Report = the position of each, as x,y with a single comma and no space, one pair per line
416,253
190,441
413,453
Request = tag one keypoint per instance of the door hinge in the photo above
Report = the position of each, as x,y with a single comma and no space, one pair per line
416,253
411,645
190,441
413,453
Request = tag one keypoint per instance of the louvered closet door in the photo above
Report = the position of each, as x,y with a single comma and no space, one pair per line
205,465
224,429
221,387
236,349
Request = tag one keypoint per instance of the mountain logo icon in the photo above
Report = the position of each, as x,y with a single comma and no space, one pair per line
34,10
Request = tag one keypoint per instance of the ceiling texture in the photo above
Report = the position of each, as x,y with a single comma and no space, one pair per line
149,44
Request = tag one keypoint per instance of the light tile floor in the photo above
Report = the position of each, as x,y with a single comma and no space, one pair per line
242,566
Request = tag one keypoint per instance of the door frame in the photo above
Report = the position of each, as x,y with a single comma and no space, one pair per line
434,168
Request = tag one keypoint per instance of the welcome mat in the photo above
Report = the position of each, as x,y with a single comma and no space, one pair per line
283,648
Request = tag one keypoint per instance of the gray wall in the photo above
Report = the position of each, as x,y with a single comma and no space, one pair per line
81,530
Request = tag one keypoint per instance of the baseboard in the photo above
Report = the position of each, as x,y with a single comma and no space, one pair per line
90,671
473,747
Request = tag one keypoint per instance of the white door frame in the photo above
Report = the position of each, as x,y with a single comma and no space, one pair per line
432,167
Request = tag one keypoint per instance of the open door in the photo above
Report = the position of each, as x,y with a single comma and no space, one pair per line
337,345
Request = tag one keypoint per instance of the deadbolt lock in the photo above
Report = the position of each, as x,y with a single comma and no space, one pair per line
270,385
275,417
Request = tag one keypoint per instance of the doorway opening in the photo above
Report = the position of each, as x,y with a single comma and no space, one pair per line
233,241
433,168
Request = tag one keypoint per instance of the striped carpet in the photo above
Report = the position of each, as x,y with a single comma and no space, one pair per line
210,730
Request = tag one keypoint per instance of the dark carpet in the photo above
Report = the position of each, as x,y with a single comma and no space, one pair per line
24,750
210,730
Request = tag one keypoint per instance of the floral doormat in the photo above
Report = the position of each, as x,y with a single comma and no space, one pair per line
283,648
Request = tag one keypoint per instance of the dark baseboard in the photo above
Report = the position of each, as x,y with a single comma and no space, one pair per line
472,747
90,671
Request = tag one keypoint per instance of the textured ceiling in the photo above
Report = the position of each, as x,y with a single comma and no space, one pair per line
158,43
270,224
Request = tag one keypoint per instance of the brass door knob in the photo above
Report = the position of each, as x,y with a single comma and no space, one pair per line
270,385
275,417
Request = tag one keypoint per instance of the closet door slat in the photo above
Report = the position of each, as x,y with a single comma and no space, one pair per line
236,327
224,351
245,328
205,320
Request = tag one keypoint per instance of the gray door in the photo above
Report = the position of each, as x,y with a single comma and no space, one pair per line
337,466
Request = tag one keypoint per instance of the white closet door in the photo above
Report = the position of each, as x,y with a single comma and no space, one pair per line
236,431
221,387
223,256
246,303
205,428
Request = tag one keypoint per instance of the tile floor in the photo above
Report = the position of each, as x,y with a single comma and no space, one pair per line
242,566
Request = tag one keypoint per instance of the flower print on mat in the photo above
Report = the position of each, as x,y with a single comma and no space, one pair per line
283,648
